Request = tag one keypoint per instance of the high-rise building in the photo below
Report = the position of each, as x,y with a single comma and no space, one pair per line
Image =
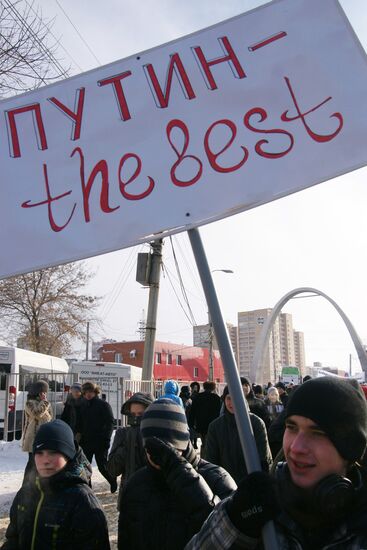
250,325
285,346
233,336
299,351
287,355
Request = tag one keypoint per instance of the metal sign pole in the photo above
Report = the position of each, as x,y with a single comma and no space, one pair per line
234,383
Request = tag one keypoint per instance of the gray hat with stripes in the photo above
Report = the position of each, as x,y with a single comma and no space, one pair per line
167,421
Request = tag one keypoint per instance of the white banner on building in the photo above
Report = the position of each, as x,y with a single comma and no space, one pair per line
228,118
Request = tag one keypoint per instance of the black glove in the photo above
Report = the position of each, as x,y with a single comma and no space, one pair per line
253,504
163,454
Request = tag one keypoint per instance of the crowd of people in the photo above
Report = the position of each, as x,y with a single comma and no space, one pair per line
184,480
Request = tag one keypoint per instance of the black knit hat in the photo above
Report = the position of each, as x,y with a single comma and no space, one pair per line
139,397
55,436
339,408
166,420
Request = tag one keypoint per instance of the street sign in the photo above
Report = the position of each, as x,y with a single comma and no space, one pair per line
215,123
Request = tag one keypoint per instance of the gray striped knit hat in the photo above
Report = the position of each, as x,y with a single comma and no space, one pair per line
167,421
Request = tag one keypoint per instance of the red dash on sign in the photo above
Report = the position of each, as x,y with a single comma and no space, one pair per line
267,41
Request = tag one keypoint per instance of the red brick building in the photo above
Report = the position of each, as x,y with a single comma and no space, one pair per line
176,361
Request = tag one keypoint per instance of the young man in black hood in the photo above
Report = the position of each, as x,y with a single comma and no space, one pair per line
127,454
57,510
317,498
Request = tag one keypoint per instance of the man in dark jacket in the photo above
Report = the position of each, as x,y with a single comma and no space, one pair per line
204,409
96,425
257,406
282,393
71,412
127,454
223,446
318,497
166,502
57,510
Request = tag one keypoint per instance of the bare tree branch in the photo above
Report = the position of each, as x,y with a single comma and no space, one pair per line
27,57
47,309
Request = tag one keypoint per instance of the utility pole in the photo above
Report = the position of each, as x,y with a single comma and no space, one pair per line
151,324
210,345
87,344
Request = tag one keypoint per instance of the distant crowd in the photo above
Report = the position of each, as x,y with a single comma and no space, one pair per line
184,480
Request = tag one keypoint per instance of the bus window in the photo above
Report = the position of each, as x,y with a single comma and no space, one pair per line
4,370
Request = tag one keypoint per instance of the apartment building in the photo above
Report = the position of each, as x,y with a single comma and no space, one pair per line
285,345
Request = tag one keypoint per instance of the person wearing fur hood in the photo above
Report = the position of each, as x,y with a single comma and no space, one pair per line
37,411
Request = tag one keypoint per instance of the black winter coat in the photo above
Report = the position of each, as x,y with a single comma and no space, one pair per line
96,423
126,456
71,412
223,446
258,407
58,513
204,409
163,512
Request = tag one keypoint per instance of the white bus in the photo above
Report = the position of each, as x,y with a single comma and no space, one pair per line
19,368
110,378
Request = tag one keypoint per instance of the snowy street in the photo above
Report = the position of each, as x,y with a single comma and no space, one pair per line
12,464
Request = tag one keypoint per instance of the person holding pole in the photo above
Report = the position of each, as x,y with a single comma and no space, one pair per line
317,498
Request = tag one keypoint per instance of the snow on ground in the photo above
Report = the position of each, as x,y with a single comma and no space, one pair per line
12,464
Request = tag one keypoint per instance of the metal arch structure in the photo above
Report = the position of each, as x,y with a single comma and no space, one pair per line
256,367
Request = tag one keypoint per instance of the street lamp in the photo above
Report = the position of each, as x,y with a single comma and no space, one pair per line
210,334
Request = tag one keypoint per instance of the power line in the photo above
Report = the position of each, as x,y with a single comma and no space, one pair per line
58,41
123,283
29,65
78,33
195,279
183,290
111,297
24,23
174,290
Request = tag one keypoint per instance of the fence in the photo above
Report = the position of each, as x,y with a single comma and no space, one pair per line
14,390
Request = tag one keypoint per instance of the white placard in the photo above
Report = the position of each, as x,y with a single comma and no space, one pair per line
223,120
